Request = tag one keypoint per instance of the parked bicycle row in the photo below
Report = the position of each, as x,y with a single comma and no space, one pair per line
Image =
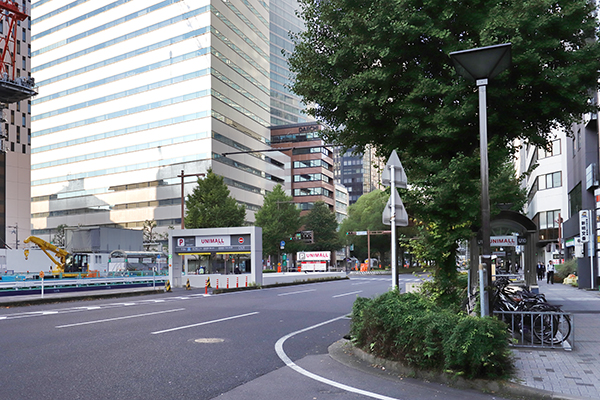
531,320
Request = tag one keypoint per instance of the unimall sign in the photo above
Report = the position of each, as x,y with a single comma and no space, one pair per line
498,241
314,256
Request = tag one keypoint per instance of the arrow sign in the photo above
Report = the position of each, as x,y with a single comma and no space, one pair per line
401,215
399,174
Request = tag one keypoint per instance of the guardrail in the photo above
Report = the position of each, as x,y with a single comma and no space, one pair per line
540,329
29,285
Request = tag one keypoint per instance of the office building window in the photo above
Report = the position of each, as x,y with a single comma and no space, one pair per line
550,181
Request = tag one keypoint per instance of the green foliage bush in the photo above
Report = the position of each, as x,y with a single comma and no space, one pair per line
412,329
563,270
478,348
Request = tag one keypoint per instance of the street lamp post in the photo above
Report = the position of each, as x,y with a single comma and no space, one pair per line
481,64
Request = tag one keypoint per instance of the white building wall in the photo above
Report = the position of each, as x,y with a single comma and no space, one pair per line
546,199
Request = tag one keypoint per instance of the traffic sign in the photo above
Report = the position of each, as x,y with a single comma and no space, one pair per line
282,244
399,176
401,217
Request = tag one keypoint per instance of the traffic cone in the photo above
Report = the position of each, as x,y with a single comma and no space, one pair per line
187,285
167,286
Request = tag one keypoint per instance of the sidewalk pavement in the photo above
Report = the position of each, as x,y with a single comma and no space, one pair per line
566,374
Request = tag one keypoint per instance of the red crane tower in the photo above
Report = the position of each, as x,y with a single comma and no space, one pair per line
12,89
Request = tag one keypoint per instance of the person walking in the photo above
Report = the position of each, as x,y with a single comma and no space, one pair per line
550,273
539,270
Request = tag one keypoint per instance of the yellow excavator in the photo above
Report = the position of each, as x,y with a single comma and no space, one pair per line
66,264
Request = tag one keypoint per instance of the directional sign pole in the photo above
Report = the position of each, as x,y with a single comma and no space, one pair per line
393,175
393,228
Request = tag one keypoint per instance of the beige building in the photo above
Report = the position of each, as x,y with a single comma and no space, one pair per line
15,129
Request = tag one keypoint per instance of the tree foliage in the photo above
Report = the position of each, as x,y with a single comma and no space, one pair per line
321,220
211,206
366,214
378,73
279,219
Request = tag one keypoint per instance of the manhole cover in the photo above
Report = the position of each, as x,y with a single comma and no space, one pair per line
209,340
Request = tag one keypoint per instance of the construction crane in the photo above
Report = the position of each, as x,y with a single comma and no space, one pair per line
12,88
65,263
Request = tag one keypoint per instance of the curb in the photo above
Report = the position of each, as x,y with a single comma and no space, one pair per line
345,353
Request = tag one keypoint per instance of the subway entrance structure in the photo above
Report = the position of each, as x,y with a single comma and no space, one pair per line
229,257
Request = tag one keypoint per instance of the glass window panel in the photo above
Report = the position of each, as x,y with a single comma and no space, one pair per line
556,177
543,221
556,147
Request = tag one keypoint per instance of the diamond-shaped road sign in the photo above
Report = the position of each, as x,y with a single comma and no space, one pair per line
401,215
399,174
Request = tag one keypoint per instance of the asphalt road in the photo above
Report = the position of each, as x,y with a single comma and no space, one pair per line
260,344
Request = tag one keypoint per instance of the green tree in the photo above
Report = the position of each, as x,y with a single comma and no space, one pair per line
378,72
321,220
279,219
211,206
364,215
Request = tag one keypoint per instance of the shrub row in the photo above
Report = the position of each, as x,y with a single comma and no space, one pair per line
411,329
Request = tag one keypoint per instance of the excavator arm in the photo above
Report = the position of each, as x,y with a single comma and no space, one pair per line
57,255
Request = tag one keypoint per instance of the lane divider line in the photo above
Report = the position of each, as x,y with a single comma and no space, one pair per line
298,292
118,318
295,367
347,294
205,323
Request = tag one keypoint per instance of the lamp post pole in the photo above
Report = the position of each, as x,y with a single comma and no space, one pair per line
480,65
485,194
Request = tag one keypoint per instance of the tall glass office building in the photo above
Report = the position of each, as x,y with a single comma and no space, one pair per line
286,107
134,92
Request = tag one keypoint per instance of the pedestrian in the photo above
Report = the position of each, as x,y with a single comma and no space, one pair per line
550,273
540,274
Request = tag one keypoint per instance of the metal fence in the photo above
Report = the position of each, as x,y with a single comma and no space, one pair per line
548,329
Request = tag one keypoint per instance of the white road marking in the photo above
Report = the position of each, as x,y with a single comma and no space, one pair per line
118,318
205,323
295,367
300,291
347,294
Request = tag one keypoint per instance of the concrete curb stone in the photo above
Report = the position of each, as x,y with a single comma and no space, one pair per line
345,353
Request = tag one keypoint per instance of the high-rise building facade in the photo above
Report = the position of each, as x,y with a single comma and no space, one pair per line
286,107
311,164
135,94
360,172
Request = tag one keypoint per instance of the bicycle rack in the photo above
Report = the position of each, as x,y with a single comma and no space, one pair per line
540,329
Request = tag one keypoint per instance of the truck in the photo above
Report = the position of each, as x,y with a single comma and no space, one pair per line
65,264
